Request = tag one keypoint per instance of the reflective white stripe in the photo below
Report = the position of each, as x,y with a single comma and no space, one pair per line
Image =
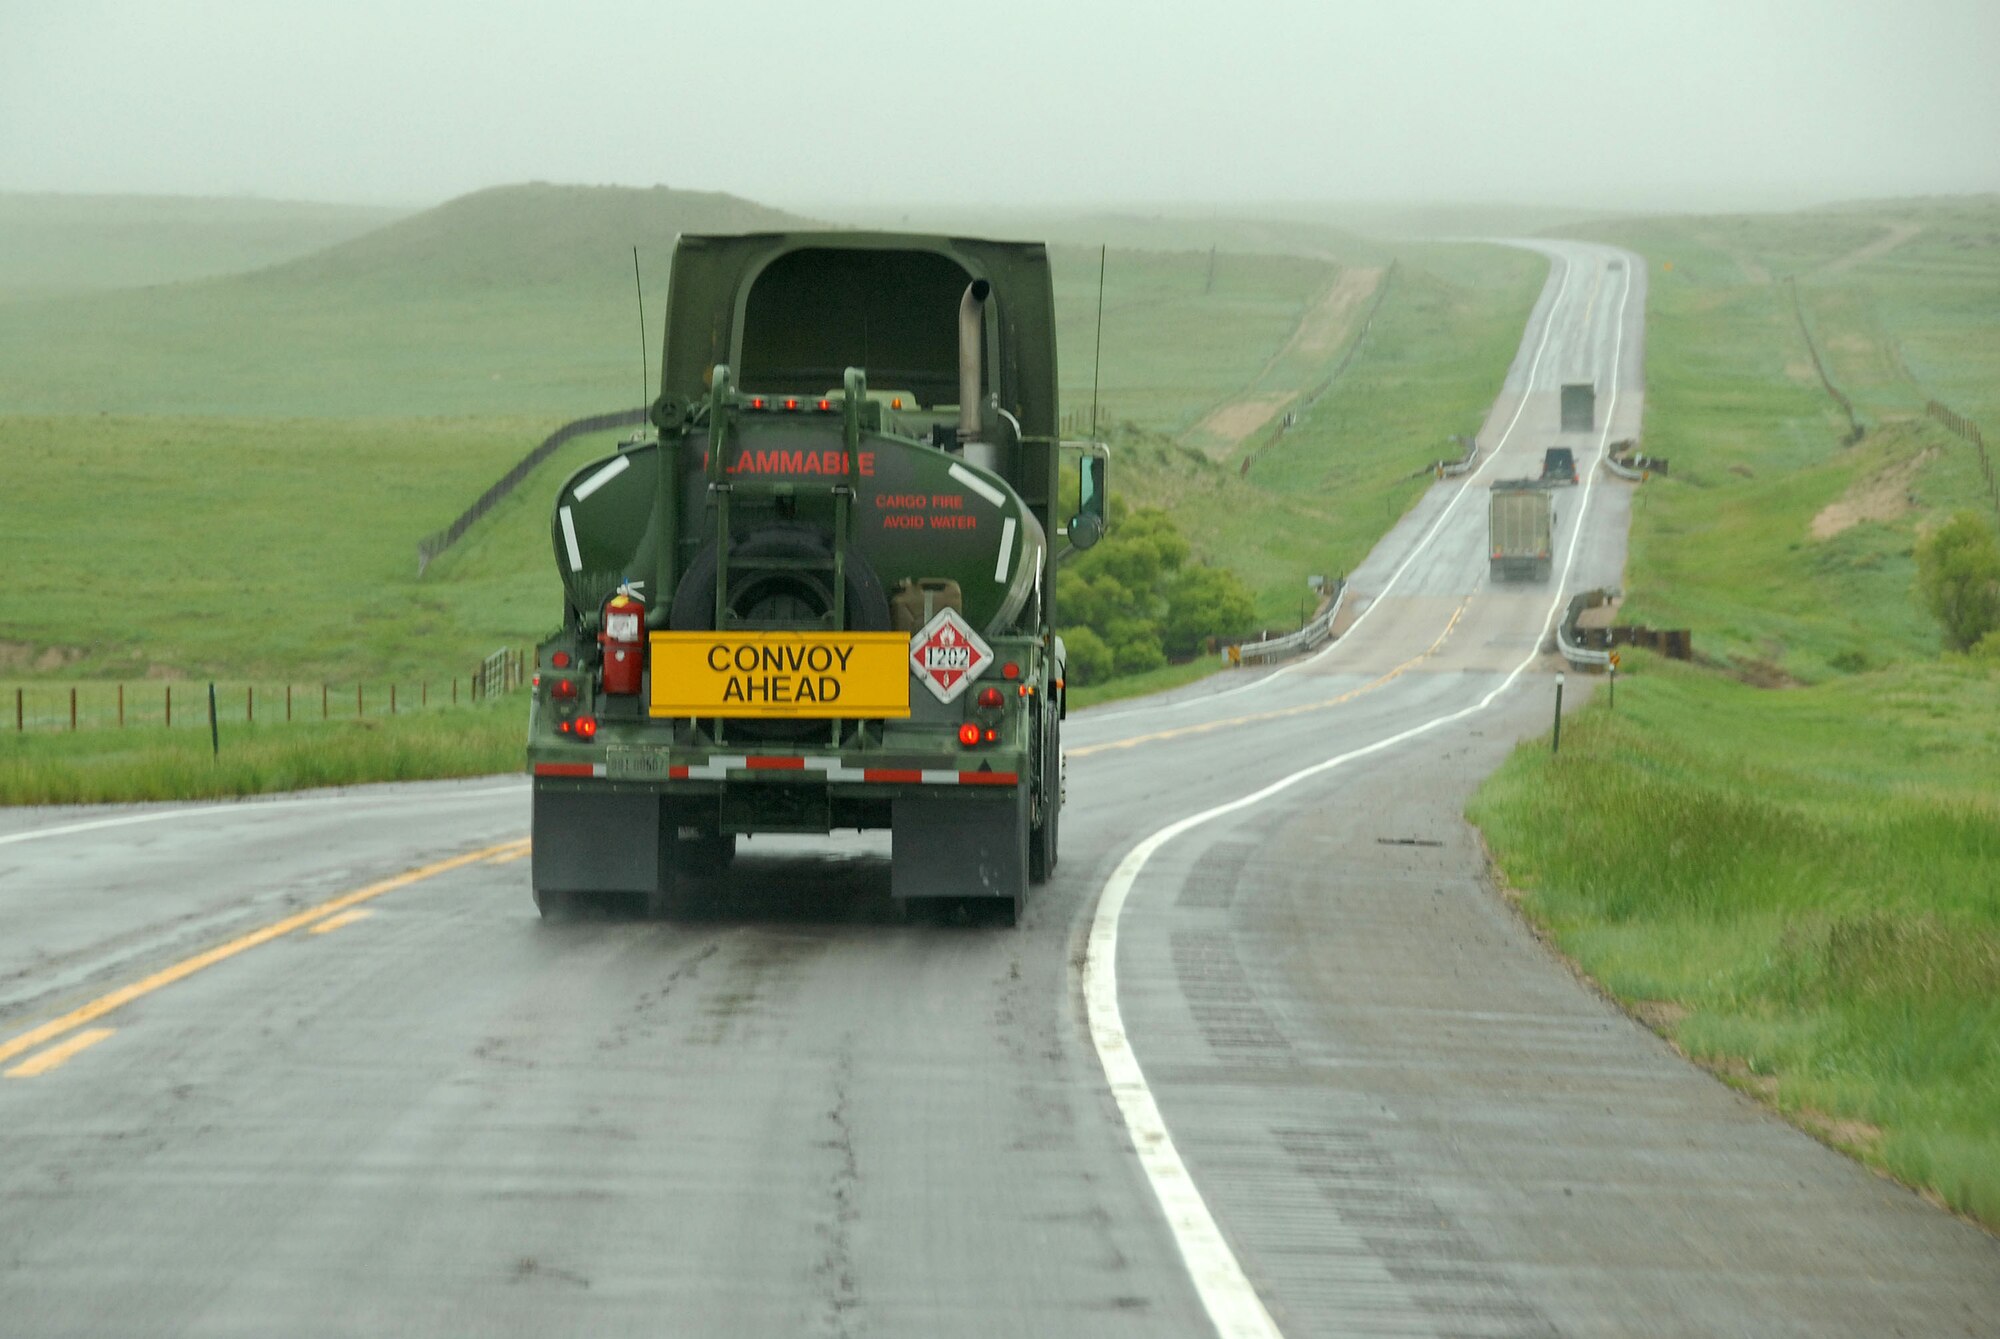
717,767
602,477
569,540
1006,551
846,774
944,778
979,485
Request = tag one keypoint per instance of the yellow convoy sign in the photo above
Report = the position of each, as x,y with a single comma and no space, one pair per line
787,674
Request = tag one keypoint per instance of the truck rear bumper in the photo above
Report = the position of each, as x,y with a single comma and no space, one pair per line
648,765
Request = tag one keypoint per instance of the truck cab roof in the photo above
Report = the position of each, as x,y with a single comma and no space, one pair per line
790,311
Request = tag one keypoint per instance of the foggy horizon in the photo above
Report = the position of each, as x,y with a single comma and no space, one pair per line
1699,107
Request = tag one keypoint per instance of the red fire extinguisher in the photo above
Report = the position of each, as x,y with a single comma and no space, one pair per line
624,641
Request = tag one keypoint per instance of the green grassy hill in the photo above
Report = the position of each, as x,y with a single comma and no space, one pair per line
58,244
516,300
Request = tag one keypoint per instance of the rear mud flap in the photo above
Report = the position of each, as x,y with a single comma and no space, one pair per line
946,846
597,843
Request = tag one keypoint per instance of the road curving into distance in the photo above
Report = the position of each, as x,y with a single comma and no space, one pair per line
314,1066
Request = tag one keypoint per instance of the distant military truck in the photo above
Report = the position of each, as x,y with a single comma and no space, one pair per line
1520,530
1579,407
1559,466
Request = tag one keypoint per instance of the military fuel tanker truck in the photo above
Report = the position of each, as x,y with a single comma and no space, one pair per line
823,596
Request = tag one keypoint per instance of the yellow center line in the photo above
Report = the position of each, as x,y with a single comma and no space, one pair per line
187,967
509,857
1281,712
348,917
55,1055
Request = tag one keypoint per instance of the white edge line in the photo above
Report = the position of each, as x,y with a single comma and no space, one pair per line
601,478
1226,1292
978,485
1006,549
211,810
569,539
1423,542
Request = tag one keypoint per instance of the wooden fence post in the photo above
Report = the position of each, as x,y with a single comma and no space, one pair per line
121,706
72,708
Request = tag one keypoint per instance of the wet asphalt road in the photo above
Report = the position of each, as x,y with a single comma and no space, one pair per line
429,1112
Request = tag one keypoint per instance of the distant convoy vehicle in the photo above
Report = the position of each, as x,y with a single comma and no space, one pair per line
1579,407
823,597
1559,466
1520,530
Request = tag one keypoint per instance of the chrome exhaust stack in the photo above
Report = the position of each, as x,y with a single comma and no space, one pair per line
971,340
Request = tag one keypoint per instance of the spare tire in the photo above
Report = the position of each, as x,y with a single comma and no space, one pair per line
771,595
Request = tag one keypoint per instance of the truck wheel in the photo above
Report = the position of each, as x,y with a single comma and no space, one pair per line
781,593
1042,846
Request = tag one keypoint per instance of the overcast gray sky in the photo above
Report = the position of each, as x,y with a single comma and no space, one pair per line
1697,104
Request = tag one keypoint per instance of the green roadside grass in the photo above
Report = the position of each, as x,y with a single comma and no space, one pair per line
1786,855
1318,496
153,763
241,549
1798,888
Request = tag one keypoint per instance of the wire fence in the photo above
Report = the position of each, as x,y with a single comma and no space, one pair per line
431,546
1964,428
1855,430
97,704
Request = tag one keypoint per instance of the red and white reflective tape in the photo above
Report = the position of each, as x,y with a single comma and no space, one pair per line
720,765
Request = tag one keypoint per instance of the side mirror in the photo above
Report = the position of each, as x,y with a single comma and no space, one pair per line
1092,517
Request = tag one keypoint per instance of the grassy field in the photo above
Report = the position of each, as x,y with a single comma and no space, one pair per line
1316,499
61,244
270,549
1786,857
153,763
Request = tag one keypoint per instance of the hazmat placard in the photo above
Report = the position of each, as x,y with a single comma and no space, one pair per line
948,655
784,674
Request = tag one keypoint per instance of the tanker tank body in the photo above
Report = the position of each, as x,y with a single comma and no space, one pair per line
822,597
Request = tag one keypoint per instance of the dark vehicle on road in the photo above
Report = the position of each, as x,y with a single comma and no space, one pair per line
1559,466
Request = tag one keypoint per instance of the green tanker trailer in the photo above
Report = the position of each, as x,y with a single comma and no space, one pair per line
823,597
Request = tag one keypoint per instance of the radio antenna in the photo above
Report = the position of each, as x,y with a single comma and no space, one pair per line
1097,357
645,373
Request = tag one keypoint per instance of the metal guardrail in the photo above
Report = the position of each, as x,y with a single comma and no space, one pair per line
1625,460
433,545
1319,630
1451,469
1573,651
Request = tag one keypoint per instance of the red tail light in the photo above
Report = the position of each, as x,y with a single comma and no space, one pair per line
586,727
1010,671
989,697
968,734
560,660
564,689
